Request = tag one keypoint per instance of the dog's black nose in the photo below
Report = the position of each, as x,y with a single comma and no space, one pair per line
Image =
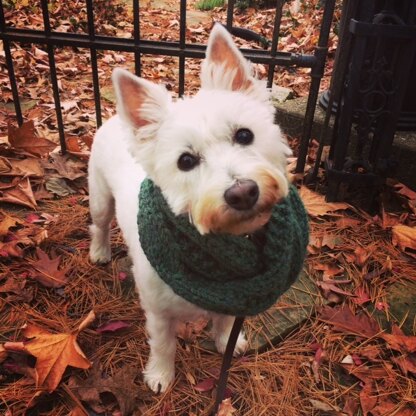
242,195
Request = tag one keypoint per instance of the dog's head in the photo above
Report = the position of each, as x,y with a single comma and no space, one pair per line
218,156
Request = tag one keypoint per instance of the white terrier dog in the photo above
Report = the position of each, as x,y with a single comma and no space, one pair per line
217,157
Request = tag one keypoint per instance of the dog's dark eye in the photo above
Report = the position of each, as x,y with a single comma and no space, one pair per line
187,161
244,137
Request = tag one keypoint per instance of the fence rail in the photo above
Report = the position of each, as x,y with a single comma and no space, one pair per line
181,49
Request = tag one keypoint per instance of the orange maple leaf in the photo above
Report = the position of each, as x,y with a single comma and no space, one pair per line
316,205
53,352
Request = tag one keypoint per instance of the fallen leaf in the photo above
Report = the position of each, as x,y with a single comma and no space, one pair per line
16,285
19,192
402,343
3,353
121,385
351,406
65,166
402,189
406,363
361,255
319,405
48,273
226,408
343,319
8,222
206,385
361,296
188,331
112,326
53,352
21,167
78,411
25,139
346,222
404,237
316,205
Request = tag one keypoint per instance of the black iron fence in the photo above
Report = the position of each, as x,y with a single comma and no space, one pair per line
270,56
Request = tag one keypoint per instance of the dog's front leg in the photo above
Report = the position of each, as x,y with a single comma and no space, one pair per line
221,329
160,369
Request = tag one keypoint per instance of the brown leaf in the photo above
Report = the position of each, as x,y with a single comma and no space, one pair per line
8,222
48,273
19,191
351,406
65,167
53,352
344,320
24,139
78,411
346,222
404,237
226,408
188,331
406,363
316,205
20,167
3,353
402,189
121,385
17,285
361,255
402,343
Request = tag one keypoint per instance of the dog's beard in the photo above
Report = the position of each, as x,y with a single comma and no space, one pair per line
212,214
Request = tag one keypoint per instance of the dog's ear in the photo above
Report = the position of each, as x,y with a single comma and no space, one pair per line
225,66
139,102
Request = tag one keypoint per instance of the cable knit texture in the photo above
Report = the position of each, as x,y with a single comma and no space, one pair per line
228,274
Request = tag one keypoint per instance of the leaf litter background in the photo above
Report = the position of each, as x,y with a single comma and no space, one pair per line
59,314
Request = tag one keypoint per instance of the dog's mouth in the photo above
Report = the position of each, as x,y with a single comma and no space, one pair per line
244,222
245,207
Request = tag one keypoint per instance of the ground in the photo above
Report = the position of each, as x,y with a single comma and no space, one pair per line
72,337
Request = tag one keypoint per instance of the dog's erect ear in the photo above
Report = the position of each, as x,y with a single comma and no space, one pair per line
139,102
225,66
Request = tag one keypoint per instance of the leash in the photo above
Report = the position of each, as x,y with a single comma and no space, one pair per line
226,362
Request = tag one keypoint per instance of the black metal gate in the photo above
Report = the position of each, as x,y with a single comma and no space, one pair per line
181,49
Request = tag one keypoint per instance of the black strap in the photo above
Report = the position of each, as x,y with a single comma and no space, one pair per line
226,361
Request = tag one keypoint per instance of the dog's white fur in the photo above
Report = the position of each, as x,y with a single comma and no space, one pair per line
147,137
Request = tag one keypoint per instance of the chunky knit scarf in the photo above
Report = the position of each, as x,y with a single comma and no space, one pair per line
228,274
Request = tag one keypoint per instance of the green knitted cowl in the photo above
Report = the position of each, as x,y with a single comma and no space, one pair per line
228,274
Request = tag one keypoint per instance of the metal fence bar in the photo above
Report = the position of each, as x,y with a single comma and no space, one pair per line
54,78
94,66
275,40
136,35
150,47
10,67
182,45
316,76
230,14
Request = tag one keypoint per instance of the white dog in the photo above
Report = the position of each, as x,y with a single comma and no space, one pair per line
217,157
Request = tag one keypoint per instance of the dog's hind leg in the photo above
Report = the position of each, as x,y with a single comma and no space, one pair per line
160,369
221,329
102,212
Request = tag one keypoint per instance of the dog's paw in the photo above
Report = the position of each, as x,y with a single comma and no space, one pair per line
100,255
158,378
241,345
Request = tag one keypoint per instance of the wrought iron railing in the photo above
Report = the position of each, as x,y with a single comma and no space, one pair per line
181,49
